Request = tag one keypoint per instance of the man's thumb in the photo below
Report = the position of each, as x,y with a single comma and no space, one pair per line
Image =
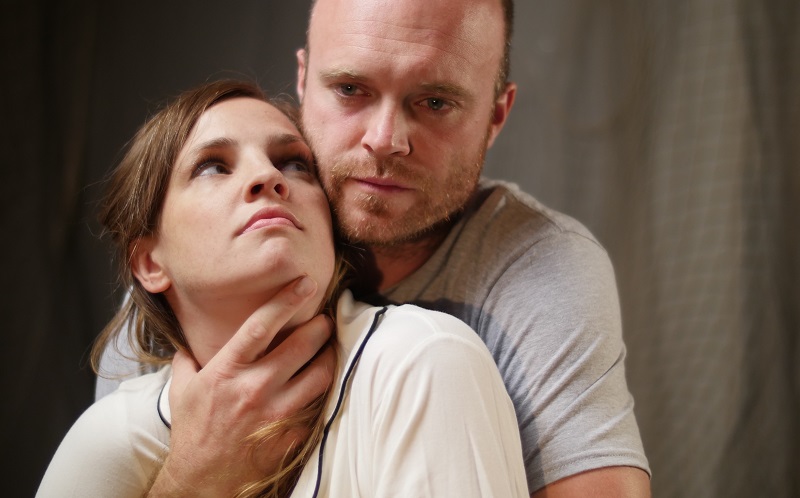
184,368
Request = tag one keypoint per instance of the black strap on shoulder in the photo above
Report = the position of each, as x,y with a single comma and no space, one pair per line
342,391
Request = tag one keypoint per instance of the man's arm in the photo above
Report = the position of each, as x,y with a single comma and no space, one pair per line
566,368
609,482
215,409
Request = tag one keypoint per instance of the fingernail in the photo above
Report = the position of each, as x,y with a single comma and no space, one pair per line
304,287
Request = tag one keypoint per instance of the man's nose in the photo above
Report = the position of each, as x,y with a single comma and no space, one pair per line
387,133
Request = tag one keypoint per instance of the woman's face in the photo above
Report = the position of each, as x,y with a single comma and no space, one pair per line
243,214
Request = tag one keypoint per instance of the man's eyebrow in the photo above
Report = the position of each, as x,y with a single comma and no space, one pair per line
452,91
341,74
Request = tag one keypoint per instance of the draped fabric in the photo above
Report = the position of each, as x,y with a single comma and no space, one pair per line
46,316
670,128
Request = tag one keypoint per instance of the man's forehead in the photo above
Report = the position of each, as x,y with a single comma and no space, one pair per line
461,27
453,17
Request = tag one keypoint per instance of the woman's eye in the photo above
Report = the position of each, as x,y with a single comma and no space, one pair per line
298,165
210,168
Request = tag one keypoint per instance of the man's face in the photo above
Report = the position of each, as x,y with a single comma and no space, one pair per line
399,107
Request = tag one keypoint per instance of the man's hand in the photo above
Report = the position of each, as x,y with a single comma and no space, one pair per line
215,409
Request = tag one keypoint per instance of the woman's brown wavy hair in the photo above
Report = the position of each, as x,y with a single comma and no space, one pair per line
131,209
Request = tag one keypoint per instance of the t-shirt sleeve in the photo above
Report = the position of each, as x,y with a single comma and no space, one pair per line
559,344
109,451
117,364
442,421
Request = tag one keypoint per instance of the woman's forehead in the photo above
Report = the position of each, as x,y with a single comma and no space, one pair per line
239,120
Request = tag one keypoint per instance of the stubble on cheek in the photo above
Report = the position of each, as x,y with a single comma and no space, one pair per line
374,220
357,215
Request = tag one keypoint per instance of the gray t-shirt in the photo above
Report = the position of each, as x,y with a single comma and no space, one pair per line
541,293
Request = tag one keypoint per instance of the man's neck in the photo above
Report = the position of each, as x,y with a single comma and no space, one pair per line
393,264
380,267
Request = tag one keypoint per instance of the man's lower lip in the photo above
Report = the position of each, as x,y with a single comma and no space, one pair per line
379,186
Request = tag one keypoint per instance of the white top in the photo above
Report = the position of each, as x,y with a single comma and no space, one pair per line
115,447
425,414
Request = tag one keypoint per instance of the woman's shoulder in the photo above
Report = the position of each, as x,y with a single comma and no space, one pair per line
421,324
401,328
115,445
129,414
404,337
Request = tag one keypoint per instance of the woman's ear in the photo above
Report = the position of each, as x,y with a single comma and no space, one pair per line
146,267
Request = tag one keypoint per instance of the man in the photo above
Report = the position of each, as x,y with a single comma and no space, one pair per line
400,101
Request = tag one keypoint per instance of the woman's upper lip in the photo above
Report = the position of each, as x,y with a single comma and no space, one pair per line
267,214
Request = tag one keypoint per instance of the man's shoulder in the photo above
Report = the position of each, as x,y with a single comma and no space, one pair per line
504,224
504,235
514,238
502,207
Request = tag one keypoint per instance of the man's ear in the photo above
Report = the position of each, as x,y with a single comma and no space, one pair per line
301,74
502,107
146,267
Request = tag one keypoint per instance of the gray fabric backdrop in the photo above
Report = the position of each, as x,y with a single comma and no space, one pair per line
670,127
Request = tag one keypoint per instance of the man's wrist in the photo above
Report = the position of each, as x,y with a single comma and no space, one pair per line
165,485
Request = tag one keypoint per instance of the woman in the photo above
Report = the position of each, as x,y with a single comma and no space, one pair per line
216,207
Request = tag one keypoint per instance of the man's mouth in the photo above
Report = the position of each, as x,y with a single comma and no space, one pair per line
381,184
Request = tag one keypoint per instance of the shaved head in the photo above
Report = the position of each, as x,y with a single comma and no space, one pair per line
508,31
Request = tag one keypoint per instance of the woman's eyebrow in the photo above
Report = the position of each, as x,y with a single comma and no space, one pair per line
284,139
280,139
215,143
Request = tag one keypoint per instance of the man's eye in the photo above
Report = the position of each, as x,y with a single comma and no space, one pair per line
435,104
348,89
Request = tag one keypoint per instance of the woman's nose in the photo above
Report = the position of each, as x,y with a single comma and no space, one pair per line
268,181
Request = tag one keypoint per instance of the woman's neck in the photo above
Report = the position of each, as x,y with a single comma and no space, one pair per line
208,324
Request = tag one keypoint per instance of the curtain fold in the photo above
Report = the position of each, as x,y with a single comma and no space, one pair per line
671,130
50,46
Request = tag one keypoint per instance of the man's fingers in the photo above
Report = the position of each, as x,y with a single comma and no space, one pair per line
255,335
298,348
312,381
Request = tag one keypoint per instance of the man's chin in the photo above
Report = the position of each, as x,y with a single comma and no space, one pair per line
388,233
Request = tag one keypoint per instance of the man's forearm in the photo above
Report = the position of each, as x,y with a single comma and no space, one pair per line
608,482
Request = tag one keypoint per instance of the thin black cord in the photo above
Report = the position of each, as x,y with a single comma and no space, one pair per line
158,406
342,391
